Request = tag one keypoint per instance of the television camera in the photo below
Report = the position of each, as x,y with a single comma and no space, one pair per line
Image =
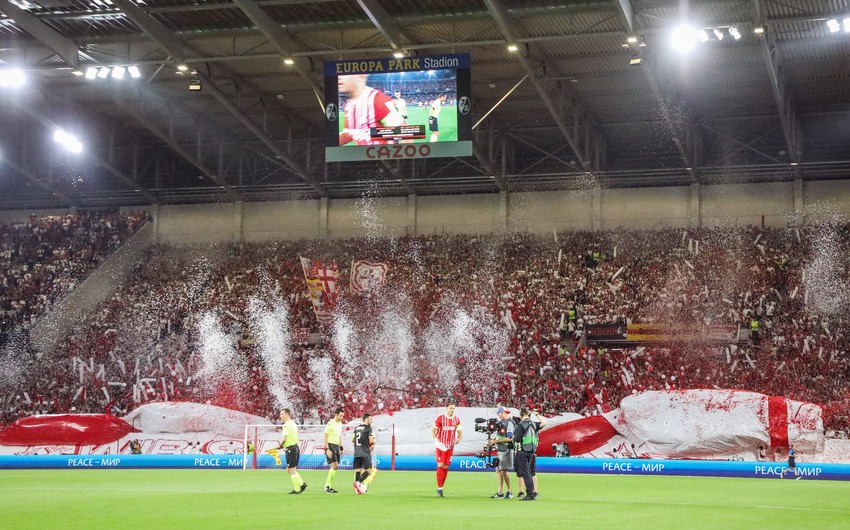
488,426
561,450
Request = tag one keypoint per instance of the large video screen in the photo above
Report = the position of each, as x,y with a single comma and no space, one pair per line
385,109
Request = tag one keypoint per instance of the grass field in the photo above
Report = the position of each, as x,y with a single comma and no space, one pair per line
257,499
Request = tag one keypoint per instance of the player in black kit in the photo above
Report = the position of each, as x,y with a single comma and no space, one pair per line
364,442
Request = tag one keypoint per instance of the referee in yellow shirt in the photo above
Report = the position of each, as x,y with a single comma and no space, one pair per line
291,450
333,447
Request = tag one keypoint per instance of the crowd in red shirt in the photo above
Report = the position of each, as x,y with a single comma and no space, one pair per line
523,347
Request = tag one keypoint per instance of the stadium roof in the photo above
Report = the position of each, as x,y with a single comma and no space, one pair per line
769,106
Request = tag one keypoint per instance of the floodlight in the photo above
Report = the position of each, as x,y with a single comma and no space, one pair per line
182,67
118,72
684,38
103,73
833,25
847,25
735,32
718,33
288,61
702,35
68,141
91,72
134,72
398,54
12,78
513,48
758,30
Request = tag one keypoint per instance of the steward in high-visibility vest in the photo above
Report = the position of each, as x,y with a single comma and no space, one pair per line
754,330
525,441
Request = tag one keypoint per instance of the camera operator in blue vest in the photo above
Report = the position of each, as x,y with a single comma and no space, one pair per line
525,445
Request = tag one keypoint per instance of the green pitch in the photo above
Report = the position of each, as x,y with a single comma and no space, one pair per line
257,499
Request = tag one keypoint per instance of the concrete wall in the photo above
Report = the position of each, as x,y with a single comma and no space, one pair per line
778,203
640,208
745,204
262,221
14,216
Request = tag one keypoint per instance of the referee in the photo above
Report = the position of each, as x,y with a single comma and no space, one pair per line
333,447
290,449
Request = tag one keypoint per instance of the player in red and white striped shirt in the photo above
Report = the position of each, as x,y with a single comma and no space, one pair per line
446,433
366,108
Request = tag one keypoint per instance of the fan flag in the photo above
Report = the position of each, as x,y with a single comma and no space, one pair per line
367,276
323,286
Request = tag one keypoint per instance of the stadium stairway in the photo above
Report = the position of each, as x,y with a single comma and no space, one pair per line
97,287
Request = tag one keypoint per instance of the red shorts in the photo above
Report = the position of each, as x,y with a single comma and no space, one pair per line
445,457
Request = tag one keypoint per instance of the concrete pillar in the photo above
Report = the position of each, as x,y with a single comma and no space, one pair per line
596,209
799,216
411,215
502,220
155,210
237,221
323,218
695,206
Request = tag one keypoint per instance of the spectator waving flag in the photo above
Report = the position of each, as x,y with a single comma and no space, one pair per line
323,286
367,276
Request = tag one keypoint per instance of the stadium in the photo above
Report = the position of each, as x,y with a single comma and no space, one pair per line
610,275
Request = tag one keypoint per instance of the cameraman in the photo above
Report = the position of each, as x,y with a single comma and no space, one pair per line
504,447
525,440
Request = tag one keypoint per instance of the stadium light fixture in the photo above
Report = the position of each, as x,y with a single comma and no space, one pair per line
103,73
847,25
632,39
513,48
91,72
182,68
833,25
702,35
288,61
735,33
134,72
758,30
12,78
398,54
77,73
684,38
718,33
68,141
118,72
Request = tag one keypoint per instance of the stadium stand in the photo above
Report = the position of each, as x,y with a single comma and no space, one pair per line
143,344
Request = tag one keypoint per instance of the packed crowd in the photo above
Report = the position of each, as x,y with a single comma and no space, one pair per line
44,258
188,324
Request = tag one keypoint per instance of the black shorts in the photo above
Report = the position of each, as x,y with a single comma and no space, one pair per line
433,126
292,455
335,456
792,463
362,462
